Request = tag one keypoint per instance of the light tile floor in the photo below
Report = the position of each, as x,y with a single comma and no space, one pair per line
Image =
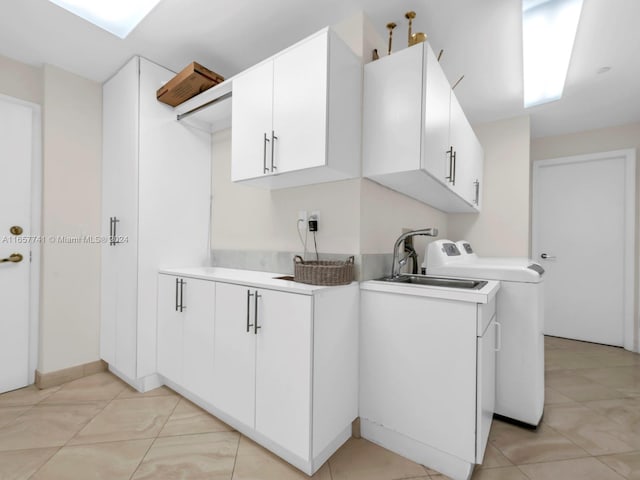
99,428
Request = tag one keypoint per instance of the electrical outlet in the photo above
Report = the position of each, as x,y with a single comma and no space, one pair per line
302,216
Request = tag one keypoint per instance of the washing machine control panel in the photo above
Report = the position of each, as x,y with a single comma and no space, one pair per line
450,249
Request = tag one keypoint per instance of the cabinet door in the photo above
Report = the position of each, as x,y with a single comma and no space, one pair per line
170,329
404,343
486,378
173,202
300,106
234,352
458,138
435,134
251,122
198,301
468,153
392,113
283,369
477,168
119,200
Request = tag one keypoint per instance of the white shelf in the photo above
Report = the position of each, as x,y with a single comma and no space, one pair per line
210,110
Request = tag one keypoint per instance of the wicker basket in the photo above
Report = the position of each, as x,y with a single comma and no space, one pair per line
323,272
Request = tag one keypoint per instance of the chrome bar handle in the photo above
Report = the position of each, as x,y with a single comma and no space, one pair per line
265,169
182,284
476,184
111,231
273,144
450,154
255,325
249,324
454,167
177,303
114,233
498,336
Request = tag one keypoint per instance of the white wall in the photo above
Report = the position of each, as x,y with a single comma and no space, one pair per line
70,288
385,214
20,80
250,218
502,228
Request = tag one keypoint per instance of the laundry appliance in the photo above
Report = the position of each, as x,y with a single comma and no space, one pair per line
520,313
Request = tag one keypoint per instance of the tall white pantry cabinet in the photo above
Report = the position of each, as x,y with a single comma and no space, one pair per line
156,177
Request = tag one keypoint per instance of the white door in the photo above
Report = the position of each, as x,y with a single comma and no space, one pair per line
234,366
16,144
300,106
283,369
435,142
118,335
583,222
198,302
170,327
251,122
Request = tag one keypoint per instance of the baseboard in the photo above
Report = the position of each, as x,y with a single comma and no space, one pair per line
53,379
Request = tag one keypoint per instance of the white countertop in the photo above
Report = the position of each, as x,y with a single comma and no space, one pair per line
246,277
483,295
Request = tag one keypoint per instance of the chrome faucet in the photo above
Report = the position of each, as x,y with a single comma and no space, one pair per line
395,266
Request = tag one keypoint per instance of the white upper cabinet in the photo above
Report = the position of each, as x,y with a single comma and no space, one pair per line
296,118
416,139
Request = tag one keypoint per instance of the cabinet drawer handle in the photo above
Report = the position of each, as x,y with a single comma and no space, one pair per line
265,169
498,336
255,325
273,144
249,324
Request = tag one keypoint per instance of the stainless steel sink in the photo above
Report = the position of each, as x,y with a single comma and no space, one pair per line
436,281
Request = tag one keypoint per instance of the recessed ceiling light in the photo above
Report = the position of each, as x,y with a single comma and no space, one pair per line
548,33
118,17
603,69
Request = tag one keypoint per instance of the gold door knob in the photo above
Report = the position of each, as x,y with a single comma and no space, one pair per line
14,258
16,230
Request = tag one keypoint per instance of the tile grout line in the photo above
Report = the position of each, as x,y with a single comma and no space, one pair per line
155,438
90,420
609,466
235,458
44,463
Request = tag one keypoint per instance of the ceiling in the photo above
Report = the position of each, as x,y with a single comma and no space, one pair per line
481,40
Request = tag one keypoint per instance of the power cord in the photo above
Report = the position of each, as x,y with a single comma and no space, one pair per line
315,243
304,242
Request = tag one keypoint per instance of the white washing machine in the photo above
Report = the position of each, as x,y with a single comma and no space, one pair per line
519,310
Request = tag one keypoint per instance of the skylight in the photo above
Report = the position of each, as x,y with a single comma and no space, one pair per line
548,33
118,17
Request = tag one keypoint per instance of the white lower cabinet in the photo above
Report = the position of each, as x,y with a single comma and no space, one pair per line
279,366
186,333
263,356
427,388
